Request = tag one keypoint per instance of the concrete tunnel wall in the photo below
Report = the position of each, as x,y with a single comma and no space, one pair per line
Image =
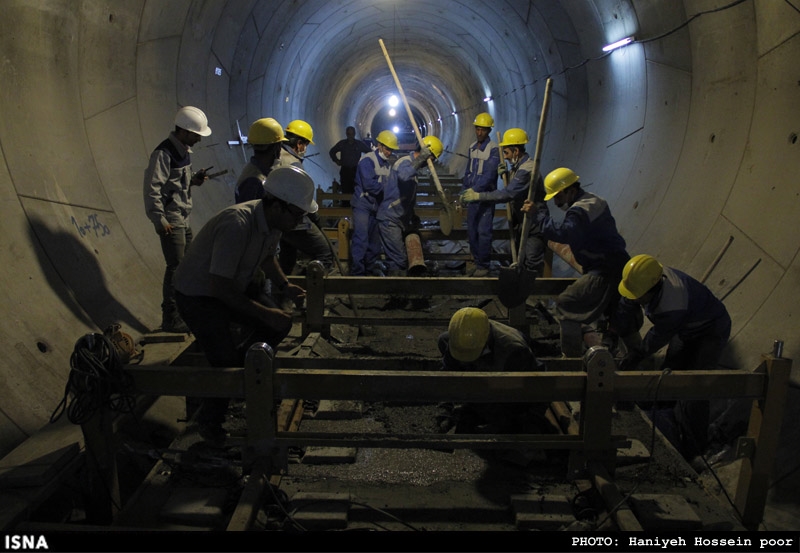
690,136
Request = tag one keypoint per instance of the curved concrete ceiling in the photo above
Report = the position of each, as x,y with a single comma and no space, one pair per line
690,133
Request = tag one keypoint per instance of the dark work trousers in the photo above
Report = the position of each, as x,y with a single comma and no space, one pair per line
692,417
308,239
347,176
174,246
211,320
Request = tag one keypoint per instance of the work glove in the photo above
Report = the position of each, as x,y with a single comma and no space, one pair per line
469,195
631,360
422,158
502,169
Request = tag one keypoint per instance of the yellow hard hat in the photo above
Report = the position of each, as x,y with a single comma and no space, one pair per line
484,120
301,129
514,137
434,145
468,332
388,139
265,131
557,180
640,274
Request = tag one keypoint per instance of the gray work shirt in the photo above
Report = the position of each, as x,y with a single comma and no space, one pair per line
233,244
167,184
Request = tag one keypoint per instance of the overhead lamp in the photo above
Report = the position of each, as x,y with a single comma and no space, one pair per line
488,99
618,44
392,112
393,101
395,129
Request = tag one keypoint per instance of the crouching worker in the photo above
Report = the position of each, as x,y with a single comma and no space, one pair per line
473,342
690,321
215,285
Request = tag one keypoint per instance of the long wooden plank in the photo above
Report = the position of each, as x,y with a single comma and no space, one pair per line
433,286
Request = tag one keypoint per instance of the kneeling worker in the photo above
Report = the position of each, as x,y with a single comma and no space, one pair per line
687,318
473,342
215,282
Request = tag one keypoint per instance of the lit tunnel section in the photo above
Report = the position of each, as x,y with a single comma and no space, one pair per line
690,133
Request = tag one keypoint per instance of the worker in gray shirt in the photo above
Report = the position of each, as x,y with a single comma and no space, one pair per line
168,200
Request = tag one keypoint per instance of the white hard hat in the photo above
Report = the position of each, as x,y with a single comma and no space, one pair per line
192,119
292,185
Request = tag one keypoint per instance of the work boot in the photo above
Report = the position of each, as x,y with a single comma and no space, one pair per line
480,272
172,322
470,269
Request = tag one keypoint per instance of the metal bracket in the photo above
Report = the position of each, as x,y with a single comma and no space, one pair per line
745,447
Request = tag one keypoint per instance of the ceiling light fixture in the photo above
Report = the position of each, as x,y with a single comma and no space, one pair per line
618,44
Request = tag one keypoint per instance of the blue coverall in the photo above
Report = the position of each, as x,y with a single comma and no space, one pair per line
365,246
695,326
517,192
481,176
395,211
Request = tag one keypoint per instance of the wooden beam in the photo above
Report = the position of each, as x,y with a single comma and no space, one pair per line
766,418
434,286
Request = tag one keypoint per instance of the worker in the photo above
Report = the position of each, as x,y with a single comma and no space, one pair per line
214,283
265,136
396,211
520,179
307,237
346,154
689,320
589,229
473,342
168,200
480,176
371,177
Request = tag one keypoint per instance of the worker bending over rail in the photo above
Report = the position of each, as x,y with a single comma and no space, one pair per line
216,284
473,342
591,232
687,318
396,211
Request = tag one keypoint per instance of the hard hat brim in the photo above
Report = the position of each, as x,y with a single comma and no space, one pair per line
465,355
625,292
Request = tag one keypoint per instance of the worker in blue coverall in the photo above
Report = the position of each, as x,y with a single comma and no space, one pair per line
520,179
481,176
690,321
371,177
589,229
397,208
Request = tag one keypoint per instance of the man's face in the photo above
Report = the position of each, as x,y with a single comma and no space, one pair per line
563,199
386,151
482,133
283,216
188,137
350,133
302,146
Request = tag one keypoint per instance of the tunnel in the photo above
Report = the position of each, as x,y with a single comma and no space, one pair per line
690,132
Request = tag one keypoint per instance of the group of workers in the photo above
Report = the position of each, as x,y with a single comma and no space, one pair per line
235,270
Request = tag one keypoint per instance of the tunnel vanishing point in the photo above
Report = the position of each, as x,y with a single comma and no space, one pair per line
690,132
